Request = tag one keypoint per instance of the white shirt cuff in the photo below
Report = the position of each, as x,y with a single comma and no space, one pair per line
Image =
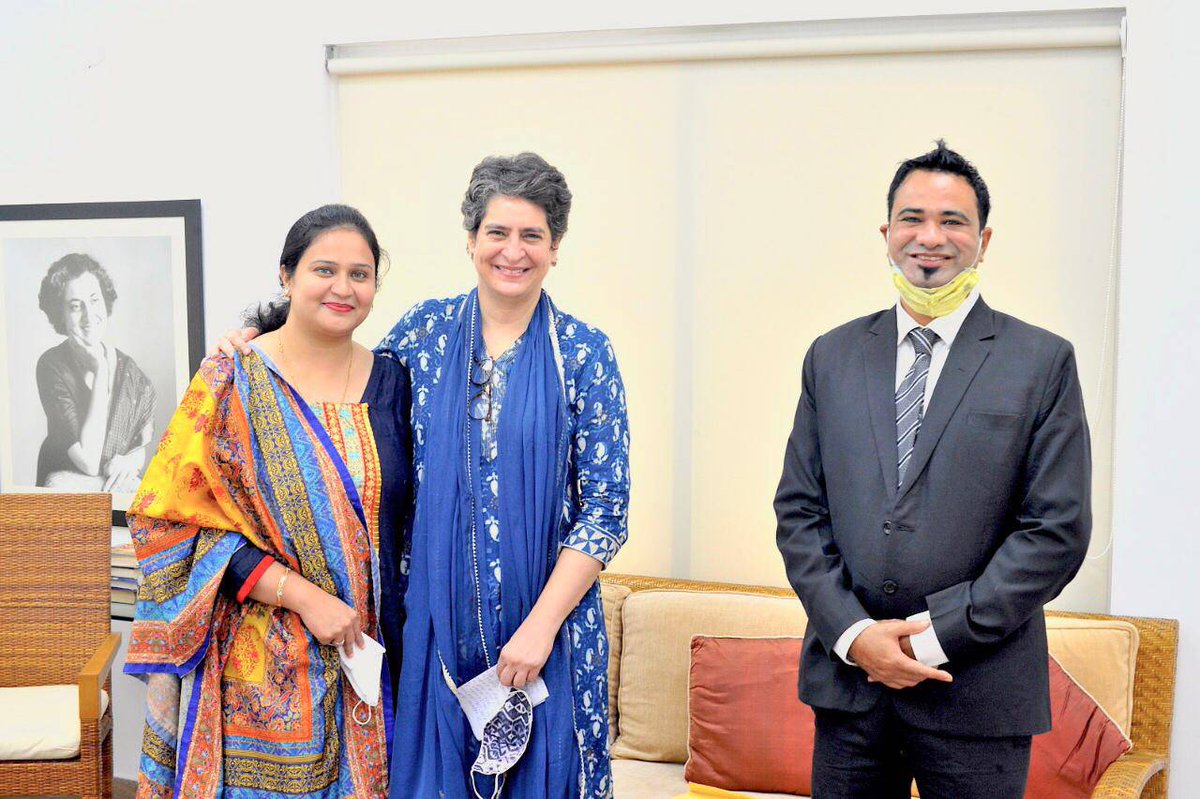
925,645
842,647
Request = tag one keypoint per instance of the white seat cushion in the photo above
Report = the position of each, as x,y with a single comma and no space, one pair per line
42,722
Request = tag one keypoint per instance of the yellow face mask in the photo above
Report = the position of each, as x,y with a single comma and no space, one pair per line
940,301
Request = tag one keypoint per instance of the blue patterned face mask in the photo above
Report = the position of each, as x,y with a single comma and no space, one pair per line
501,718
505,738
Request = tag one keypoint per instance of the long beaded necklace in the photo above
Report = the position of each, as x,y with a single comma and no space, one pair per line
349,363
470,351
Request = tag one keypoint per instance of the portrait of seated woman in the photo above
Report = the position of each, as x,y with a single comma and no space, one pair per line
99,405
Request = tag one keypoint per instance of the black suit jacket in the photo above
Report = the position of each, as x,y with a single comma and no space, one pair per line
993,518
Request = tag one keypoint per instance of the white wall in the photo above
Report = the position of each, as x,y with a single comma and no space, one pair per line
1156,471
229,102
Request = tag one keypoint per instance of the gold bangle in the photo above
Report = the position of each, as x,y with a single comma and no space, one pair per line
279,588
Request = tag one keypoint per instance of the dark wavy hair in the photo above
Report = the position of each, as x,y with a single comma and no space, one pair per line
271,315
942,159
54,286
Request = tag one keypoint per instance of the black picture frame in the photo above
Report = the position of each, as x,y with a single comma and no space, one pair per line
171,224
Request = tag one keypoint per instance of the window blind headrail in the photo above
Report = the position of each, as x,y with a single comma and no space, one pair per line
879,36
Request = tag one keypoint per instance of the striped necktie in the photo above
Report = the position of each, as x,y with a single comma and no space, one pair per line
910,397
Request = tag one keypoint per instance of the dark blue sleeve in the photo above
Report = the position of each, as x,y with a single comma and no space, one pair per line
242,566
390,405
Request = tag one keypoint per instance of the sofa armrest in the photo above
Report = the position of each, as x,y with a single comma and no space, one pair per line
94,675
1126,778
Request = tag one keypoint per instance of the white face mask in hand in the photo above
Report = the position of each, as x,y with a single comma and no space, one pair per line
364,670
482,696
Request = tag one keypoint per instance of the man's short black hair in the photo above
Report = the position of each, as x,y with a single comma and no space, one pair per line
943,159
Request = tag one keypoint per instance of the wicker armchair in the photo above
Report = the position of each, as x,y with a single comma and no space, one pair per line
55,629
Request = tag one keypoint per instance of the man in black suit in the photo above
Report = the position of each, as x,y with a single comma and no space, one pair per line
935,495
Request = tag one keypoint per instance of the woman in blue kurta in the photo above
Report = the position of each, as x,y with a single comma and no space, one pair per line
521,455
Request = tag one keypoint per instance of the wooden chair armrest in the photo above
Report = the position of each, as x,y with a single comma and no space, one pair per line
1126,778
94,675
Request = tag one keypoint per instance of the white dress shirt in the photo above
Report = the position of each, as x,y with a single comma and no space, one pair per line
925,644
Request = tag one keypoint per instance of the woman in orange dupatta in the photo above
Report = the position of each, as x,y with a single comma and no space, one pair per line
264,529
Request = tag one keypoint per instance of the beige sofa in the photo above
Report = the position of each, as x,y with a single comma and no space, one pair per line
1127,664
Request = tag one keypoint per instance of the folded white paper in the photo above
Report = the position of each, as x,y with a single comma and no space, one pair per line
365,669
482,697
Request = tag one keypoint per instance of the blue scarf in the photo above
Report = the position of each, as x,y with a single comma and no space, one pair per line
433,747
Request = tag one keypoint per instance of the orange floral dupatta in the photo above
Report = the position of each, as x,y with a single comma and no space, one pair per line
242,701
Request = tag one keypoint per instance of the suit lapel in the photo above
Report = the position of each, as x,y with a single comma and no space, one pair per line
879,363
970,350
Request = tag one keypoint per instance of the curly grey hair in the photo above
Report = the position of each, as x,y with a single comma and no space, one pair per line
526,176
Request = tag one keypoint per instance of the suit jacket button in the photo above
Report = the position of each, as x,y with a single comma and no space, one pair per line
889,586
887,528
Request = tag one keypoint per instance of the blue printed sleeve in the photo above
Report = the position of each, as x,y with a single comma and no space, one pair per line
418,340
601,441
405,335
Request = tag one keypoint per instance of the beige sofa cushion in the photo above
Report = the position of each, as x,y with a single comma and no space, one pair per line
656,633
1101,654
613,597
639,779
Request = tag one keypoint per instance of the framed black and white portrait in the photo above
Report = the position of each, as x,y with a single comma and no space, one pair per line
102,329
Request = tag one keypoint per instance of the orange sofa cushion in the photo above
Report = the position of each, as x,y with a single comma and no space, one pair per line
747,729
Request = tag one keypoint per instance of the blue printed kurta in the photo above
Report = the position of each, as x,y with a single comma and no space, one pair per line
594,518
487,512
